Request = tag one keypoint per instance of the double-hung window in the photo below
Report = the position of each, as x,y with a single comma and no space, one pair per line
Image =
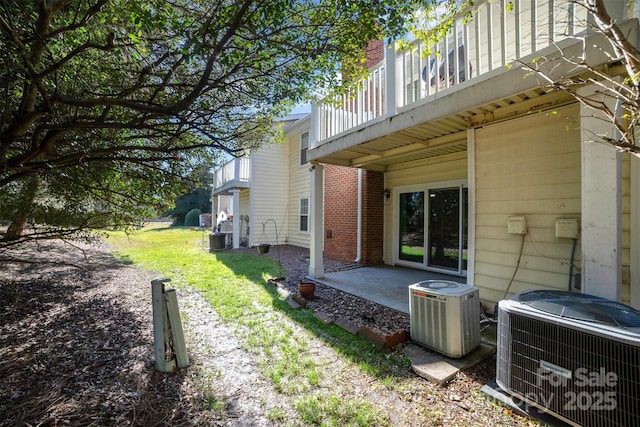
304,146
303,215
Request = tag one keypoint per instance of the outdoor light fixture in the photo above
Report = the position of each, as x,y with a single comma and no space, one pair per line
387,193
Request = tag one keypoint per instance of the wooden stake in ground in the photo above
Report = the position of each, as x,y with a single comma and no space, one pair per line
175,326
169,349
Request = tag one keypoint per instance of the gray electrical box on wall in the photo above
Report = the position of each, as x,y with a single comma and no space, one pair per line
567,228
517,225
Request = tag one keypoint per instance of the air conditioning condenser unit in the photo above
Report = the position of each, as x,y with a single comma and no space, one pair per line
445,316
573,355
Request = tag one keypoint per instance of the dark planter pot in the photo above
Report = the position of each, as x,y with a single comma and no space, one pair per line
307,289
216,241
263,248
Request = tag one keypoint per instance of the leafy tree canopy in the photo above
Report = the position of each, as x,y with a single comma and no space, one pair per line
107,105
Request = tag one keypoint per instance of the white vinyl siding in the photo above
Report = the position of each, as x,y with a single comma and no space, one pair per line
528,166
245,201
299,187
269,189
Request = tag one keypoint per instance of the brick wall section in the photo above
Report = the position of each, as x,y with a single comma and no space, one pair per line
341,214
374,53
372,217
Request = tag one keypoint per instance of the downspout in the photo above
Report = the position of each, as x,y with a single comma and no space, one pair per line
359,221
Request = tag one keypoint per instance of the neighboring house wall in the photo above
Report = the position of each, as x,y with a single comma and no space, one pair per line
269,194
298,187
340,212
221,204
528,166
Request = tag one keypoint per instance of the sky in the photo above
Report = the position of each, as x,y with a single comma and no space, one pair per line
306,108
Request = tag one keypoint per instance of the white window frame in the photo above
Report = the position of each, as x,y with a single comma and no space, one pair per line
302,214
304,147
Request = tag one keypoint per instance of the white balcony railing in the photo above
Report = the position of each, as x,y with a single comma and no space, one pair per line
236,170
491,35
361,104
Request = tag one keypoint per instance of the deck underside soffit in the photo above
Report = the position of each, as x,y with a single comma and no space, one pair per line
442,137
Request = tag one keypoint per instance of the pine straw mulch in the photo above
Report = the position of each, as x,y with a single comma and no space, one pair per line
77,345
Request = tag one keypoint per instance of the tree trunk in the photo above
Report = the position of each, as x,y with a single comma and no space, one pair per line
19,221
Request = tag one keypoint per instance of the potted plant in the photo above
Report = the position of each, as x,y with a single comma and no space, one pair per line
263,248
307,289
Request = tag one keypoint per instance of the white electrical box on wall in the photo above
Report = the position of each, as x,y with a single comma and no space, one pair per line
517,225
567,228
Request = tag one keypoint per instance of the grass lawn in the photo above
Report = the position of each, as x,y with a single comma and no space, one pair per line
235,286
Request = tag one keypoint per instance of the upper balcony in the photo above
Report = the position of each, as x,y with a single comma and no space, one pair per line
419,102
235,174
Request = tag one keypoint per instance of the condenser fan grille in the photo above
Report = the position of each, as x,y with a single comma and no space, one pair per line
585,307
533,341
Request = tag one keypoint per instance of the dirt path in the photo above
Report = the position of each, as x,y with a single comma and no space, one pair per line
227,375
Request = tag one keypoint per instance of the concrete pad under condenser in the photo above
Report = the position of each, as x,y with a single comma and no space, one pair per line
428,365
437,367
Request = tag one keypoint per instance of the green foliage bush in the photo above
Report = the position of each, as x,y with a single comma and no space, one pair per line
198,198
192,218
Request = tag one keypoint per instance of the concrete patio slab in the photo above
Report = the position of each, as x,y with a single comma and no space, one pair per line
382,284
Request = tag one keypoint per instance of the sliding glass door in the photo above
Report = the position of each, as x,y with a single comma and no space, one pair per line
432,228
412,227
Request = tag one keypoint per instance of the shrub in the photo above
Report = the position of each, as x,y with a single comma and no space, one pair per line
192,218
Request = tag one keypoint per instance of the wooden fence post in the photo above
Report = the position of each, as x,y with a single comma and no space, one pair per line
175,324
160,325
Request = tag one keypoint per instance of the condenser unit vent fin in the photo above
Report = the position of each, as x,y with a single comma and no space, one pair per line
534,341
582,307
